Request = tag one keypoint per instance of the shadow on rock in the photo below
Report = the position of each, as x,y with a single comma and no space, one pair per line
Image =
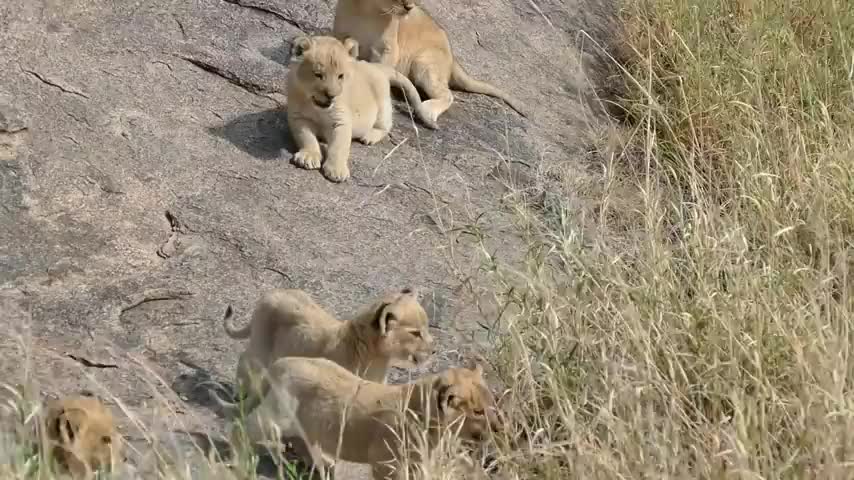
199,388
263,135
280,54
289,466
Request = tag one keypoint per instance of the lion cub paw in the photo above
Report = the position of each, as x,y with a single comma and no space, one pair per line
374,136
307,159
335,172
433,108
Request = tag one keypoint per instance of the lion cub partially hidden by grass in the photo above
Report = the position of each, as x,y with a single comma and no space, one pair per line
401,34
359,420
394,330
336,97
81,434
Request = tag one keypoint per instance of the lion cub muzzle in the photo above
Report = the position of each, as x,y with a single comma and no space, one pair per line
324,99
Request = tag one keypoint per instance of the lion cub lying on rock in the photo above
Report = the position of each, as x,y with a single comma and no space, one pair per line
333,96
81,434
360,420
394,330
401,34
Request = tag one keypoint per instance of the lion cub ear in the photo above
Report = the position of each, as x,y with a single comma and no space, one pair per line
385,319
301,45
445,397
60,427
352,47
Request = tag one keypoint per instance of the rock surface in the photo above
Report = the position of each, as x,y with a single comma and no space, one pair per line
145,183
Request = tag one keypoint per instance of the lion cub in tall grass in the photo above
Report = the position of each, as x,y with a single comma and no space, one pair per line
334,96
361,421
81,434
393,330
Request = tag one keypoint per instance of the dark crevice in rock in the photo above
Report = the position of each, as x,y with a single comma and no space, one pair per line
279,15
231,77
52,83
89,363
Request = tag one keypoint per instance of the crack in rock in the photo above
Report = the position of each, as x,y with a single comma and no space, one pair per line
89,363
154,295
231,77
168,248
53,83
269,11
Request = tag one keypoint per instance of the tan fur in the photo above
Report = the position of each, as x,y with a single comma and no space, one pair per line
400,33
394,330
82,435
333,96
321,402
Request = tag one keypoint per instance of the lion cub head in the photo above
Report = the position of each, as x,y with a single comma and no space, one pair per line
463,396
402,329
393,7
82,434
324,65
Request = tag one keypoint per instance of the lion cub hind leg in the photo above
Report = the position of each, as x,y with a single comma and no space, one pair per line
276,419
382,125
435,85
273,419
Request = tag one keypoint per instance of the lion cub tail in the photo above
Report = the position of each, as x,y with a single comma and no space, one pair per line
399,80
460,80
235,333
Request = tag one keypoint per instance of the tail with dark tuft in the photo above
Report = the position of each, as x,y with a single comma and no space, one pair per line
235,333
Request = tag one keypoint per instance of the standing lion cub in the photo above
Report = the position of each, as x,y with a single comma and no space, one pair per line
401,34
334,96
360,421
394,330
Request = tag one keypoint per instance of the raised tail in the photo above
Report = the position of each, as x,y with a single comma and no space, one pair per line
235,333
399,80
460,80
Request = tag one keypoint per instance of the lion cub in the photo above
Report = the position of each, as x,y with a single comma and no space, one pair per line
394,330
360,420
334,96
401,34
81,434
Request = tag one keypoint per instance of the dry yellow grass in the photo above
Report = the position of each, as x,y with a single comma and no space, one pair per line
711,338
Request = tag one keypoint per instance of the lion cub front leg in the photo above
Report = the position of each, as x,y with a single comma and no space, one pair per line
336,167
385,50
384,53
308,155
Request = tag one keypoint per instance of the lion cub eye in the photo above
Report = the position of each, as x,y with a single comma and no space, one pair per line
340,76
416,334
106,439
318,75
